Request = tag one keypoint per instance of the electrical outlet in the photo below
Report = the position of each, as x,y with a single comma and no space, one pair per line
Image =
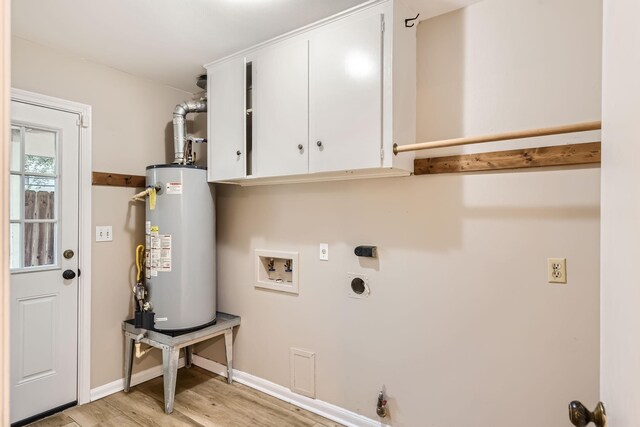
104,233
557,270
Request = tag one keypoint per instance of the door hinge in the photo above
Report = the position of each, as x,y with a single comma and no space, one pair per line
382,23
382,154
82,121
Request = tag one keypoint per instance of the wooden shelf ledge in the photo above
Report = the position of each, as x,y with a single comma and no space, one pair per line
557,155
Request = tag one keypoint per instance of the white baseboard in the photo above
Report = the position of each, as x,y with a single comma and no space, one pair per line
327,410
137,378
211,366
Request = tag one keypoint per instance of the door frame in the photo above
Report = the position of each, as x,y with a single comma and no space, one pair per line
5,84
83,112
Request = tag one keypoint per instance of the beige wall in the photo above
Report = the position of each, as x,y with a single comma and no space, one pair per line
503,65
461,326
620,389
130,130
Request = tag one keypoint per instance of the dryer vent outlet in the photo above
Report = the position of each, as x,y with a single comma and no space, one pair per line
358,285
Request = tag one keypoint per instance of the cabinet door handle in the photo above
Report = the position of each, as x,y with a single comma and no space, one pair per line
319,143
300,147
238,153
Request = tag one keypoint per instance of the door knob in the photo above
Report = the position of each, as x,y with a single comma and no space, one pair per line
69,274
580,415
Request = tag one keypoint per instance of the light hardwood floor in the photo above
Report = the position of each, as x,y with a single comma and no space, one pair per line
202,399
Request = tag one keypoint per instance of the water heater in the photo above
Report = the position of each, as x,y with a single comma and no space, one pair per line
180,271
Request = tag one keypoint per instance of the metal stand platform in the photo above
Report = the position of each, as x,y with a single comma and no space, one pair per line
171,350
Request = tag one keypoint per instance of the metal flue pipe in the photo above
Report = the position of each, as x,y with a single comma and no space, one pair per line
180,125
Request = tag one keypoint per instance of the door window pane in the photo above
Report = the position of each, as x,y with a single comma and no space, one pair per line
33,198
14,194
15,149
39,183
39,244
40,151
39,204
14,246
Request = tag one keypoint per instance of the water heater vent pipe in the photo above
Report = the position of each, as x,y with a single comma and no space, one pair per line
180,125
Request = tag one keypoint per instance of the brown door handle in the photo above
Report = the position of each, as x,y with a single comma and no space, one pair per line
580,415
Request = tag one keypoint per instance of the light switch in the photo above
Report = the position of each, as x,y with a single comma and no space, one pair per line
104,233
324,252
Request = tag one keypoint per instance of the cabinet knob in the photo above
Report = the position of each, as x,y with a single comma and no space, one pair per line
300,147
319,143
238,153
580,416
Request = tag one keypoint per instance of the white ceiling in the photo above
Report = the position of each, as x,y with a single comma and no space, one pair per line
168,41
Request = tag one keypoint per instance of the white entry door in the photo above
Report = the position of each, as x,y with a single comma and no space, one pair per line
43,247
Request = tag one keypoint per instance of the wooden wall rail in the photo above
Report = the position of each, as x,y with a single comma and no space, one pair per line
557,155
118,180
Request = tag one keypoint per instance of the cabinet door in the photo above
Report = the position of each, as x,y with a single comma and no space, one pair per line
280,110
226,112
345,95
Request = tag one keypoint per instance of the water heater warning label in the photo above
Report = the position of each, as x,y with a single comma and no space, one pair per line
165,253
159,252
174,188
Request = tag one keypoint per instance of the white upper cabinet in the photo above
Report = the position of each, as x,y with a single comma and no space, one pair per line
345,96
280,109
324,102
226,111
